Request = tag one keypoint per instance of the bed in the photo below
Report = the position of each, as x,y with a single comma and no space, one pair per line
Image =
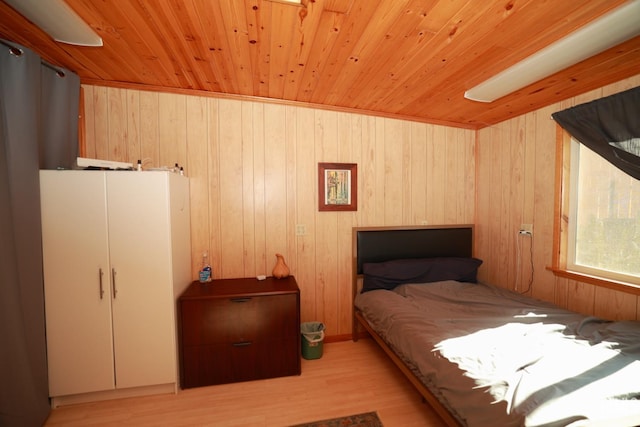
482,355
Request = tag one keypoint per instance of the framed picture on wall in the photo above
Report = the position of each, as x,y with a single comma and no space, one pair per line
337,187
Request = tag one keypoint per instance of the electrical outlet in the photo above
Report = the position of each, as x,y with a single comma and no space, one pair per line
301,229
526,229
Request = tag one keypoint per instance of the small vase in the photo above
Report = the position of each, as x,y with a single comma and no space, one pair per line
280,271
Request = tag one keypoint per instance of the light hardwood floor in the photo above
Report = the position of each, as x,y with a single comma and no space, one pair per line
350,378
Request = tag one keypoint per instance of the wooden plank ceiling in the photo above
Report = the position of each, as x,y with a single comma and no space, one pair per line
409,59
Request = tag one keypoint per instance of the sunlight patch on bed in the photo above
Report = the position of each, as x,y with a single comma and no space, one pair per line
530,314
520,364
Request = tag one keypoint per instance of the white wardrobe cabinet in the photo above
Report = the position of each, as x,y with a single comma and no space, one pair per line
116,251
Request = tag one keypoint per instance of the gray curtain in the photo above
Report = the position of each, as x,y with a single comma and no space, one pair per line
59,105
23,366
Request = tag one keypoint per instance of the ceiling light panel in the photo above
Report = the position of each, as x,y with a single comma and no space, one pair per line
610,30
58,20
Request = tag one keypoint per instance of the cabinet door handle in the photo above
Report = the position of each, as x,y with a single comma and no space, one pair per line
113,282
240,299
242,344
100,274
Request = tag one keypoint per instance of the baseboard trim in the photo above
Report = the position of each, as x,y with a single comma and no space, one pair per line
337,338
96,396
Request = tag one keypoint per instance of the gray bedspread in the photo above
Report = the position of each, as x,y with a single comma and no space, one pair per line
497,358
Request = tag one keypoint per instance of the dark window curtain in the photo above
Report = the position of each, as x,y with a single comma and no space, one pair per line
24,387
23,369
609,126
59,116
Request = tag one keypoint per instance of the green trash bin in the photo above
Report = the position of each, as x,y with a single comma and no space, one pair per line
312,337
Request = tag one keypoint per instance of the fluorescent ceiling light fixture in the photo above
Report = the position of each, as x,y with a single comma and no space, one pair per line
58,20
294,2
610,30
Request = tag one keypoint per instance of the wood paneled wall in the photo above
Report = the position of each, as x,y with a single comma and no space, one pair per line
253,170
515,183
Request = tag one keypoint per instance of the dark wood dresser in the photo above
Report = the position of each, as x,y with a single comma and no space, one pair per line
234,330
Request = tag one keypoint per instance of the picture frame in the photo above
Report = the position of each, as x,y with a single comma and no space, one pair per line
337,187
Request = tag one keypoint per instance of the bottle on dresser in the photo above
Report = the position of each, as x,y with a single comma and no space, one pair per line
206,275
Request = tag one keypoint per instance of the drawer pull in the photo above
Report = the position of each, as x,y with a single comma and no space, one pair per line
242,344
240,299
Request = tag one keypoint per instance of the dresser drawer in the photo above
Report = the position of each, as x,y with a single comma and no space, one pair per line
226,363
232,320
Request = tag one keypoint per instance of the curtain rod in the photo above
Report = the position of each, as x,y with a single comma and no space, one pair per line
18,52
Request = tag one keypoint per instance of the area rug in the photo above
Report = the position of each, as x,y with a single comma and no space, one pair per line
368,419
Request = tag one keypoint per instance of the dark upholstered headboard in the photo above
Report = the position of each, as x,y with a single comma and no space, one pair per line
378,244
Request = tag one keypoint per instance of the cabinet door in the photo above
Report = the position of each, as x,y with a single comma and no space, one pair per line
78,316
140,250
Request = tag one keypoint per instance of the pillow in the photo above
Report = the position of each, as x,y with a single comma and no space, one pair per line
389,274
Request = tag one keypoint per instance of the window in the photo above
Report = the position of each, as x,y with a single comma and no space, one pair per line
597,225
603,227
